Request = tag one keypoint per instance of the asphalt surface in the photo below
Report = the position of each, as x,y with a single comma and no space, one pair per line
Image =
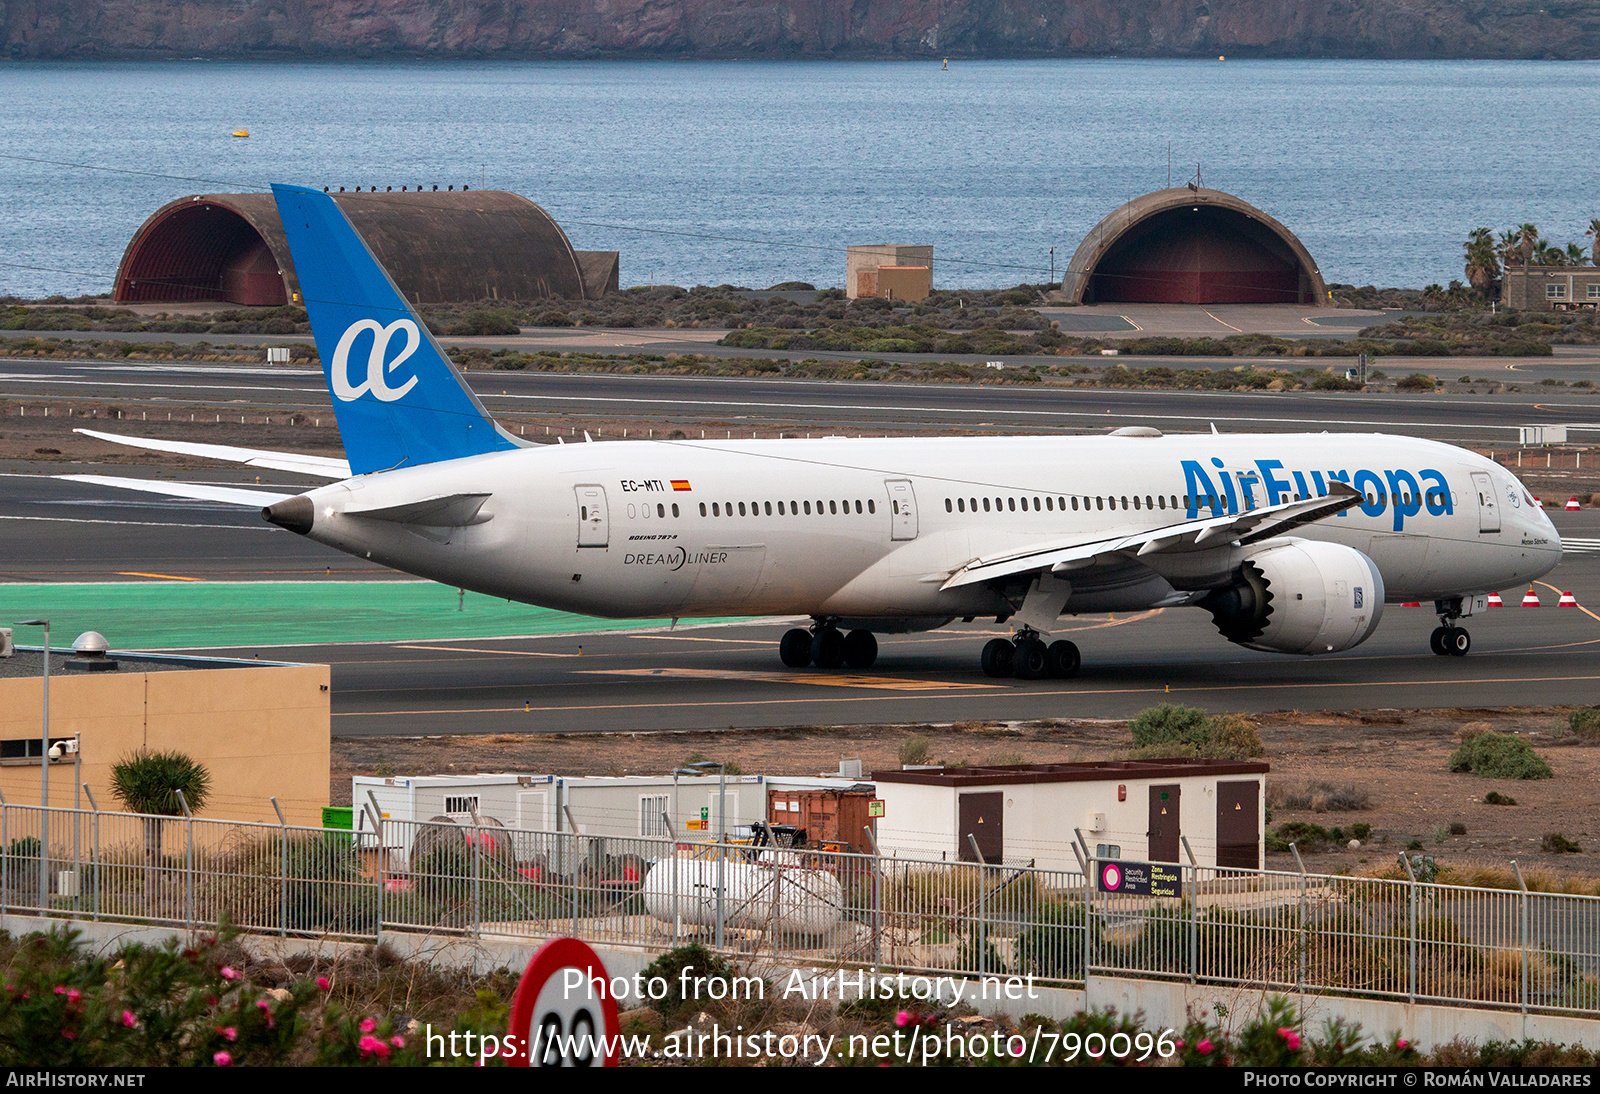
740,406
711,677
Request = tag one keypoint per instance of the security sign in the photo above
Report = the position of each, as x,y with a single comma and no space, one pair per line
1139,879
563,1014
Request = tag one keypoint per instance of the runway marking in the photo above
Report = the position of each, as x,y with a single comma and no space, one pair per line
1130,322
1558,592
145,523
954,695
467,649
688,638
832,680
1230,326
164,577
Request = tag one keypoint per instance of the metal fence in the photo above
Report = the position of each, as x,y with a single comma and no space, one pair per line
1403,939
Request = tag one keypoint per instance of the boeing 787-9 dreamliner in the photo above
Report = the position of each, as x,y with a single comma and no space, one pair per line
1293,542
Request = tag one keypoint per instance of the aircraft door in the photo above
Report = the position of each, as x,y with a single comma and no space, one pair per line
593,522
1488,508
902,509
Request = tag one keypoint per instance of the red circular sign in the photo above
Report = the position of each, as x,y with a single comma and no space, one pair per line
560,1015
1110,876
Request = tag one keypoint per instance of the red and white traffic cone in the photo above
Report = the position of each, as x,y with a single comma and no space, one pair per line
1572,503
1495,601
1538,503
1567,601
1531,600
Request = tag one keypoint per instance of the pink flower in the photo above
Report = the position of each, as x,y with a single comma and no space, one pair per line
230,973
129,1019
397,1041
1290,1037
229,1033
322,983
61,989
222,1059
368,1025
1401,1042
1180,1045
69,1035
1203,1046
903,1018
369,1044
73,996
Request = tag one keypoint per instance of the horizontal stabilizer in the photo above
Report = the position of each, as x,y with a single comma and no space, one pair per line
195,491
322,467
444,511
1250,526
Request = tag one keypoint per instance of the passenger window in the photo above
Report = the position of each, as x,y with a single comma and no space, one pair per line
661,510
741,509
808,508
985,505
1062,502
973,502
858,504
1147,500
871,507
716,510
583,512
1035,505
1074,503
961,504
1124,502
1050,505
702,509
674,508
1099,503
780,509
1161,503
1174,501
1135,501
948,507
833,507
1013,504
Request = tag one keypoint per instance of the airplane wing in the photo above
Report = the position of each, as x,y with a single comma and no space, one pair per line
322,467
1193,535
197,491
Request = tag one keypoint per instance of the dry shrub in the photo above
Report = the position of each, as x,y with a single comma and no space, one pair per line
1319,797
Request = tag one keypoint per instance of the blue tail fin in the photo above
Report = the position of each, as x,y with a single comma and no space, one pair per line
398,398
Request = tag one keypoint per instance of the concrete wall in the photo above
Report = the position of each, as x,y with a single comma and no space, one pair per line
1524,287
1164,1004
262,731
871,256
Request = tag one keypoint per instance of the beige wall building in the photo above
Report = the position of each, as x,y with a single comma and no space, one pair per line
862,269
262,730
1551,288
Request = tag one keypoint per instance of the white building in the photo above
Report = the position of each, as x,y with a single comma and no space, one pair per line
1027,813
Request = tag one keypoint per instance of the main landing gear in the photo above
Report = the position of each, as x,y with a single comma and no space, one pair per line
827,648
1026,657
1449,640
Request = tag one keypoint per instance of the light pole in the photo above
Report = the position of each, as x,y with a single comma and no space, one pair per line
44,771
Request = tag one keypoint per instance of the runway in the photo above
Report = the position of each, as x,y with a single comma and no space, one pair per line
151,393
654,679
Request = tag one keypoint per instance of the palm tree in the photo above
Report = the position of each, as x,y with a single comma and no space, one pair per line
1574,254
1544,254
1482,266
1594,234
149,782
1510,250
1527,240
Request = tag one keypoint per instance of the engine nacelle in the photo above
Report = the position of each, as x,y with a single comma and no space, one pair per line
1300,597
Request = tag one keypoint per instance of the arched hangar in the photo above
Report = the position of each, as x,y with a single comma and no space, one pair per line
1183,246
450,247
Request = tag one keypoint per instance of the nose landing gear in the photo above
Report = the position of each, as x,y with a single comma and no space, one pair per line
1026,657
1449,640
824,646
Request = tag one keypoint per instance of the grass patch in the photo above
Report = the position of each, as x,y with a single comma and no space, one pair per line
1499,756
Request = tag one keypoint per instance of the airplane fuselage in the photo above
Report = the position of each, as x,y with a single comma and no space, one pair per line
870,529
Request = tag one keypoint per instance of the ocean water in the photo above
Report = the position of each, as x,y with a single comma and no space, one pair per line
1381,168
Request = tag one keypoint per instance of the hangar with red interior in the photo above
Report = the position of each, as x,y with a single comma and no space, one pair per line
439,247
1192,246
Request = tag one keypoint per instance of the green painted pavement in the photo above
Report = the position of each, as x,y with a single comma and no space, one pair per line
206,614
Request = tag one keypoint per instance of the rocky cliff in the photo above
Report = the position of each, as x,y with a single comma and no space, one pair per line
799,28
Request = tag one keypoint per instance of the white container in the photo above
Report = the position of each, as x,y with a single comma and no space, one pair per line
767,894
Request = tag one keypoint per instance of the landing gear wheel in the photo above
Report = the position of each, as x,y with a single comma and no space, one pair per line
1062,659
999,656
795,648
827,648
1436,641
860,649
1457,642
1031,660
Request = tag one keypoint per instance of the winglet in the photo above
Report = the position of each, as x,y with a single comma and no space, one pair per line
398,398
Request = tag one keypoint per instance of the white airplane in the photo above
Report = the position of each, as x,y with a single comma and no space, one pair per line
1293,543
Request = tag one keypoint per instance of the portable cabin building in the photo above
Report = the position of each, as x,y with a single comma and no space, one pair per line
1028,813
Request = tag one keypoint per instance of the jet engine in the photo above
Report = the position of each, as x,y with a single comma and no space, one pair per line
1301,596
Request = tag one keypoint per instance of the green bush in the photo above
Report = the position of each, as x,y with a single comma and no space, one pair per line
1499,756
702,967
1585,723
1175,732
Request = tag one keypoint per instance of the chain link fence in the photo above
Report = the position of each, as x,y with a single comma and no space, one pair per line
1404,939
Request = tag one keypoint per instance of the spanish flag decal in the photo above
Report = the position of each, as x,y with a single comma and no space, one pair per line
680,484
